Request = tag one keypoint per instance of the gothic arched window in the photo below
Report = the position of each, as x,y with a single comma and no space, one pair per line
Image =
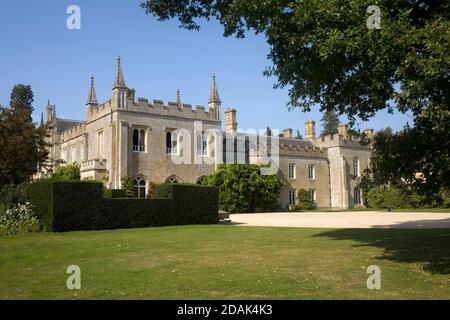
173,180
171,143
139,140
357,196
140,188
356,172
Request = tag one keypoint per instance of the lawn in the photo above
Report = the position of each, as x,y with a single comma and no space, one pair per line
227,262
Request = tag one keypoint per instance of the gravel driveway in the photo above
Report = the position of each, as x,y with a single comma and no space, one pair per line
364,219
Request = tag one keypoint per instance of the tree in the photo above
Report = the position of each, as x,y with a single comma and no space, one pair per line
327,54
299,135
330,123
242,188
394,162
70,172
22,143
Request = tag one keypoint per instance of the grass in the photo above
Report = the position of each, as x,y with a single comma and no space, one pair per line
227,262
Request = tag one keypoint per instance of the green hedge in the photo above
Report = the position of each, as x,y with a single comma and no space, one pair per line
114,194
70,206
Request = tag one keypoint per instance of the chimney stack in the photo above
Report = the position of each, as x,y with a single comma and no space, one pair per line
343,130
287,133
368,133
230,120
310,130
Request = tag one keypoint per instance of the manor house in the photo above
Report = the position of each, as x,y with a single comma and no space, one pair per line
129,136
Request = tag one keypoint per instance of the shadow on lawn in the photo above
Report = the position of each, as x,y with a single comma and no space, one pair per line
430,247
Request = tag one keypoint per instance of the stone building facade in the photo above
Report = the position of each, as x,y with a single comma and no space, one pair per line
154,142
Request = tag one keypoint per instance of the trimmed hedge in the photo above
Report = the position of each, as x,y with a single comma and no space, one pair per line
114,194
71,206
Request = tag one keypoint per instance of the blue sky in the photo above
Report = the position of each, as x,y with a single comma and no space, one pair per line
158,58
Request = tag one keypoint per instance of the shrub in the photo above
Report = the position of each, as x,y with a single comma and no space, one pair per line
446,203
70,206
242,188
387,198
19,219
152,191
127,186
11,195
304,200
70,172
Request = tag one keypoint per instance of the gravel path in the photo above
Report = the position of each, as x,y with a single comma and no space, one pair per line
365,219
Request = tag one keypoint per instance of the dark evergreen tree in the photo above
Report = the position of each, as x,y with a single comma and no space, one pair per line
22,142
330,123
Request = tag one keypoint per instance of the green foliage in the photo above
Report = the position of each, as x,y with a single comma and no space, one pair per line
19,219
323,51
330,123
69,206
399,157
70,172
127,186
299,135
390,198
242,188
304,200
22,143
11,195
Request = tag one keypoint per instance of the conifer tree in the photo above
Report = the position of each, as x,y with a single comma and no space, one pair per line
22,142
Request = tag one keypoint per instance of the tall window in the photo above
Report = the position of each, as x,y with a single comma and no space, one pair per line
140,188
100,145
202,145
356,172
74,154
171,143
312,172
292,197
357,196
139,140
292,171
312,195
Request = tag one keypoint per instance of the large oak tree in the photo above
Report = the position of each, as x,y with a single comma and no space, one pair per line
325,54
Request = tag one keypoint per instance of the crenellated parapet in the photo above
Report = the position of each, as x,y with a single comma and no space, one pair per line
73,132
94,113
338,140
292,150
173,109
